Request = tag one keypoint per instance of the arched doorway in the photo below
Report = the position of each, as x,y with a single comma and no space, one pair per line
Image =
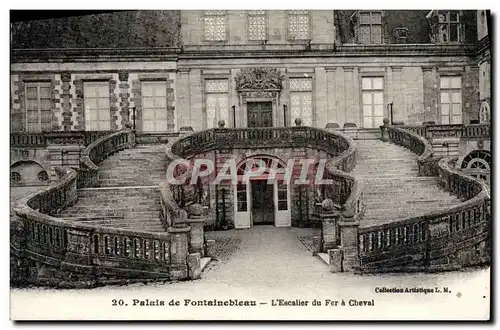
262,195
477,164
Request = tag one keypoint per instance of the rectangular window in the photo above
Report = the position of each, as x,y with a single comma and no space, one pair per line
373,101
257,25
216,101
242,197
450,28
301,100
38,107
370,28
451,100
156,117
96,101
282,197
298,25
215,25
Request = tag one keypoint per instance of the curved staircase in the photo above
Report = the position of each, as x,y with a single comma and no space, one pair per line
392,188
127,194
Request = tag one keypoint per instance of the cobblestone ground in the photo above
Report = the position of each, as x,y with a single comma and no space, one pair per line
263,253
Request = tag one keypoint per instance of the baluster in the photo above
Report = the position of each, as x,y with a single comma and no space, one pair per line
96,244
116,246
166,251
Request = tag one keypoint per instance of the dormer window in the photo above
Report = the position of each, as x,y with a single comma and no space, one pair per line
368,27
447,26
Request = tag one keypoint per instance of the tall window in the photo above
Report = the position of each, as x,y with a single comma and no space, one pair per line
38,107
216,101
451,100
373,101
215,25
370,27
301,100
298,25
242,197
450,28
96,101
282,197
257,25
156,117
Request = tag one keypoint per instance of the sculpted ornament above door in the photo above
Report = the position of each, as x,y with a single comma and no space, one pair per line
252,79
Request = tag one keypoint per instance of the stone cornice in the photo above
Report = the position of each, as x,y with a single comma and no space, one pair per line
94,54
237,51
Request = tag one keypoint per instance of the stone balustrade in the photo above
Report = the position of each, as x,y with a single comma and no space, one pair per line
99,150
44,139
441,240
55,251
469,131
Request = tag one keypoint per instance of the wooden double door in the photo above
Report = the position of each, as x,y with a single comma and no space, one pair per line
262,203
260,114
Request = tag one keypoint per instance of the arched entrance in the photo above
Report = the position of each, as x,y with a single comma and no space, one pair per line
262,196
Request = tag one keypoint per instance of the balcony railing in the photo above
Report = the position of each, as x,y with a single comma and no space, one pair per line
43,139
470,131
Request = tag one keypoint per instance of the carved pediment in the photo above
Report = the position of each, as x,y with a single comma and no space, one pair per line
259,79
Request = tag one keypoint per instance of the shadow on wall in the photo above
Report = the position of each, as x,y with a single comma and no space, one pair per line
28,173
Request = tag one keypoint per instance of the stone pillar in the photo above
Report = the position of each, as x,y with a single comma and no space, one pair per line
441,248
329,219
179,243
196,222
384,130
335,260
131,135
194,266
78,248
349,241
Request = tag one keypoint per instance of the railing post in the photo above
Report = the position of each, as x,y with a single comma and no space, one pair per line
349,241
384,130
196,222
329,218
179,245
78,256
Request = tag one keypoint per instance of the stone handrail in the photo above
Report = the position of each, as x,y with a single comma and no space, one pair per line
429,242
83,248
419,145
42,139
98,150
346,190
279,137
469,131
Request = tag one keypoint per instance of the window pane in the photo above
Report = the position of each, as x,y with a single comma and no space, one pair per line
160,102
31,92
46,116
367,122
103,90
457,109
148,114
378,110
161,114
456,97
91,115
445,98
367,98
445,120
91,103
376,18
31,104
367,83
105,125
364,18
456,82
32,116
376,34
454,32
457,120
364,34
445,82
104,103
148,102
45,104
45,92
147,89
160,89
445,109
378,98
89,90
378,83
367,110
